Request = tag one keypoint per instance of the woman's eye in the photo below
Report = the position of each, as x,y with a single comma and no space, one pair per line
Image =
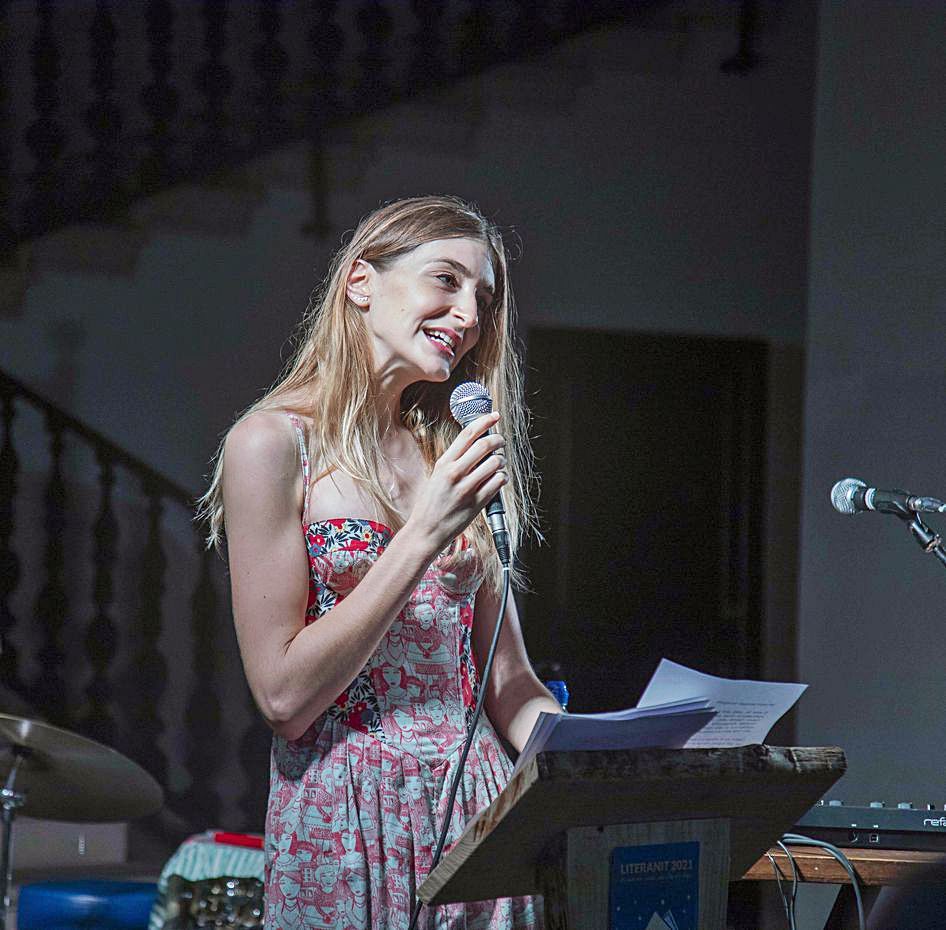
448,279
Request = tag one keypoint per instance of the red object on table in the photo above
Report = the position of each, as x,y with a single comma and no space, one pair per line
253,840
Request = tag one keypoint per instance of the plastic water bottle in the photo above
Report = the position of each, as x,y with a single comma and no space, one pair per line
559,691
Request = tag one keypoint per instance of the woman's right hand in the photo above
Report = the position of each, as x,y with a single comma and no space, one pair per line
463,481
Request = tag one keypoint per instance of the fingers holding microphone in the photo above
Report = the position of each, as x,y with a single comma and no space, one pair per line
468,401
482,466
485,465
463,479
479,468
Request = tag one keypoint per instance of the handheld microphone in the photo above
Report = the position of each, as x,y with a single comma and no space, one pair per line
468,401
851,495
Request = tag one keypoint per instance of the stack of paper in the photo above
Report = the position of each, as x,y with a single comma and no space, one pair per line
680,707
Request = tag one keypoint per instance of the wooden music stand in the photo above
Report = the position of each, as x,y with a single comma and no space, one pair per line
553,828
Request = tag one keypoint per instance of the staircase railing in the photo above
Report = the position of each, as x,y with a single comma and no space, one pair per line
114,618
117,101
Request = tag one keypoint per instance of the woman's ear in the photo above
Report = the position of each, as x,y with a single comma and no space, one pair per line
358,286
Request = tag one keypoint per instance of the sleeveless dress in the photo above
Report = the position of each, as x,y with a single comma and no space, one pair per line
356,804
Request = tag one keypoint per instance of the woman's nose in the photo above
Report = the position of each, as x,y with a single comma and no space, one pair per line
465,309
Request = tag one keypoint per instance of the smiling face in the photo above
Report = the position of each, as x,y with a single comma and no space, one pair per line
423,310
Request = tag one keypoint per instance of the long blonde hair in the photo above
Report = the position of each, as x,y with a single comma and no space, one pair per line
332,368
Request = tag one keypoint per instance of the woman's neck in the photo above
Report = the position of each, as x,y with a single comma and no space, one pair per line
389,419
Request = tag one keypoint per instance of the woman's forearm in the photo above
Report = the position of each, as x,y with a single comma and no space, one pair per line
516,707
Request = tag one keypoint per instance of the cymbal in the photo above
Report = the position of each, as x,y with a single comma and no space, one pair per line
65,776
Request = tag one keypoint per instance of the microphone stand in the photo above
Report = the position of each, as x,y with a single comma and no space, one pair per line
926,538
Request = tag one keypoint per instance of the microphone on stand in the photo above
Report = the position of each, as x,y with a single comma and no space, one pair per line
851,495
468,401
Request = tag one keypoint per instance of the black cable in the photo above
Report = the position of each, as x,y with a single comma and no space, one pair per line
795,839
790,905
469,739
777,872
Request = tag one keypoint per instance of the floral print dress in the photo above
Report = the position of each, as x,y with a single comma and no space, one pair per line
356,803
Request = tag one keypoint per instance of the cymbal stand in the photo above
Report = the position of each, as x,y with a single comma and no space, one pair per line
10,801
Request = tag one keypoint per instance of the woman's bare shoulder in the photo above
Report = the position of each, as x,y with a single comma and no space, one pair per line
262,466
262,437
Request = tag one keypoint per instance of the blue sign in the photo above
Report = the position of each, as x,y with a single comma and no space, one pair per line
655,887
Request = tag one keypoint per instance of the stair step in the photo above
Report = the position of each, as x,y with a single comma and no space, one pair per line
98,248
348,153
667,40
14,281
547,84
223,208
286,168
439,124
651,51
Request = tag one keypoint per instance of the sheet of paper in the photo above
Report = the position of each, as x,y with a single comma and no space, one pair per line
632,713
635,729
745,710
669,731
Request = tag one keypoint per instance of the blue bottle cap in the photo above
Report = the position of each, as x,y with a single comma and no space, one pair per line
559,691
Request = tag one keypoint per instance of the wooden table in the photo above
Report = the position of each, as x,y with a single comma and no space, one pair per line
876,869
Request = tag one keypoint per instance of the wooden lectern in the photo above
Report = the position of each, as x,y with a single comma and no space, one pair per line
562,823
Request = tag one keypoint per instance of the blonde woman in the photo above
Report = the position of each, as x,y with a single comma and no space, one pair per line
365,584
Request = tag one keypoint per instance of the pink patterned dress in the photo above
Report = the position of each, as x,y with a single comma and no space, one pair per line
357,802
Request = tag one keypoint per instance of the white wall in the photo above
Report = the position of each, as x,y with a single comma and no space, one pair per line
871,602
649,190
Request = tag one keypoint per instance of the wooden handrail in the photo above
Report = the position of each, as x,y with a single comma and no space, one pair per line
104,645
161,483
185,123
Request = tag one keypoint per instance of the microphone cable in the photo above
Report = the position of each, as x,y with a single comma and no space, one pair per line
487,667
788,903
796,839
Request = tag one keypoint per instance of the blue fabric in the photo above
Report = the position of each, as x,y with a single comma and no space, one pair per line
107,905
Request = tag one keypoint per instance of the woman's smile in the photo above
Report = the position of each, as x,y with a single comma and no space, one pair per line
445,341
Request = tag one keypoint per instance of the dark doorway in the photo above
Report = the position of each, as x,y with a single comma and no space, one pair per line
651,450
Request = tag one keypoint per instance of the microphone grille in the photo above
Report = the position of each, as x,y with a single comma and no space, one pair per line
468,401
842,495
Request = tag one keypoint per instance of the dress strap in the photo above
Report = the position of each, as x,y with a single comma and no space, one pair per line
304,455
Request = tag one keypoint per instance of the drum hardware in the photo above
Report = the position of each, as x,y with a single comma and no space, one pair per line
54,774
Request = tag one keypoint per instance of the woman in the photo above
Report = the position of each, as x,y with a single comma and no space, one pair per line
365,584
